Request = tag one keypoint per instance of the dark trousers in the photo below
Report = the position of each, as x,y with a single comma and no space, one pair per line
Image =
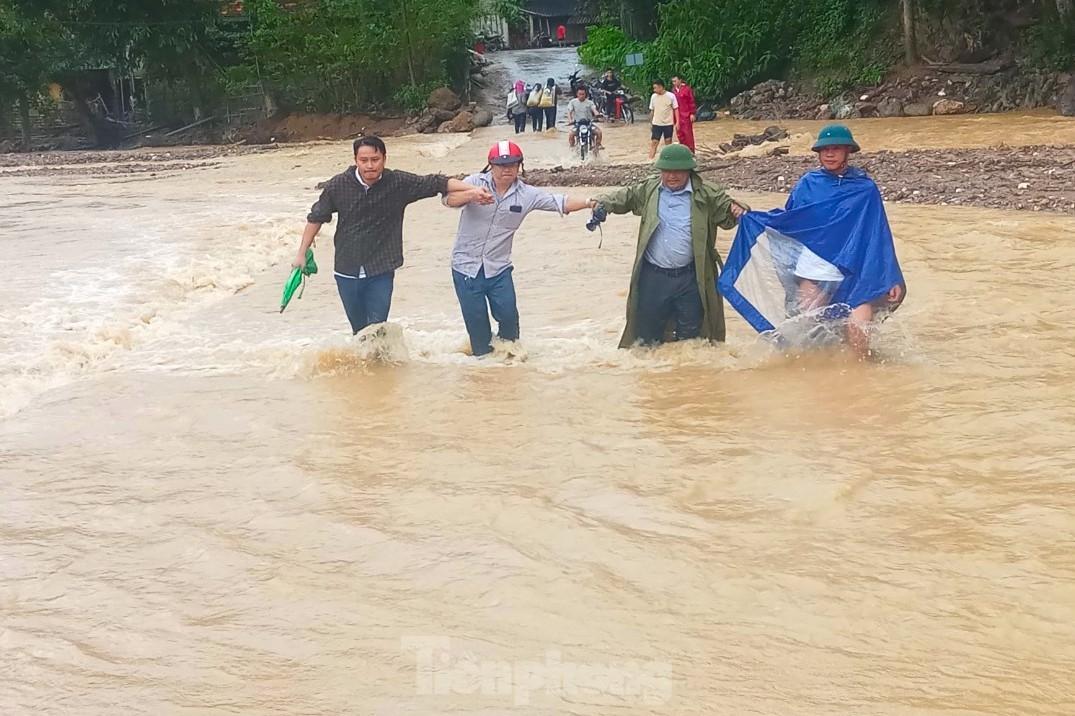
550,118
610,106
665,294
520,122
366,300
478,297
536,115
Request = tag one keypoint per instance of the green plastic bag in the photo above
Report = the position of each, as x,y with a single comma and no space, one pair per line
298,278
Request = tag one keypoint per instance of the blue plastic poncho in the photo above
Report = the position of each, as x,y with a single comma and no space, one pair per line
834,232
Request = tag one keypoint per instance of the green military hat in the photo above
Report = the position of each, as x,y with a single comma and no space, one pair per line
835,135
676,157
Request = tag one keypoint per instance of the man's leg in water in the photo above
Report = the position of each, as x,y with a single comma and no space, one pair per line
472,303
862,317
858,336
377,292
687,308
354,302
811,295
502,303
655,295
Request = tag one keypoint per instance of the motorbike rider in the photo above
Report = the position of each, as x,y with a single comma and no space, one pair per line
582,108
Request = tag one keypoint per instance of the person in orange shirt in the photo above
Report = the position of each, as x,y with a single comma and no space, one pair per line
561,35
687,109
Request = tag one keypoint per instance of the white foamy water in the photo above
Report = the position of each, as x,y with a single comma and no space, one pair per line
207,505
92,283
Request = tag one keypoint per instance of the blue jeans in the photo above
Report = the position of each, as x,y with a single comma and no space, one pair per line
366,300
665,294
478,297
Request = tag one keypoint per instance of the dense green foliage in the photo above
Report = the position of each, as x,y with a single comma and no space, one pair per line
328,55
348,55
337,55
725,46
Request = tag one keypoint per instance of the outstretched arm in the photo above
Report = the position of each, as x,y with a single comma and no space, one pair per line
457,185
461,193
470,195
574,203
626,200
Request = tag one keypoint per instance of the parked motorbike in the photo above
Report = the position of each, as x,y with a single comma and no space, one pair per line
623,110
622,104
576,82
494,43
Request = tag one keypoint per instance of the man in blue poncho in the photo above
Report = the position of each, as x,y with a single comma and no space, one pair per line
830,246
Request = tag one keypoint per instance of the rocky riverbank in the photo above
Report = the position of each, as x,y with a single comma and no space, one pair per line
943,89
1020,178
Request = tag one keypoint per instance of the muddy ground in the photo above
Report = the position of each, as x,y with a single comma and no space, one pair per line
298,127
1022,178
123,161
1028,178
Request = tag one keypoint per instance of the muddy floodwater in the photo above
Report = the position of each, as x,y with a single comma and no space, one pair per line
207,507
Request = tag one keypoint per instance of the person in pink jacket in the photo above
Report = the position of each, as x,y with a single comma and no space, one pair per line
687,109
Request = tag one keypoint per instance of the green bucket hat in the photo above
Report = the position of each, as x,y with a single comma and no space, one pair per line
835,135
676,157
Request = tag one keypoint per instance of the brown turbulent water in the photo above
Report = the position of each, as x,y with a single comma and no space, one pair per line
207,507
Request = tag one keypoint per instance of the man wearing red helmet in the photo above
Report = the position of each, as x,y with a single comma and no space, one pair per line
481,257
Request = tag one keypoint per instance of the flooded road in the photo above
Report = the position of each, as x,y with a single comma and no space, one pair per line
209,507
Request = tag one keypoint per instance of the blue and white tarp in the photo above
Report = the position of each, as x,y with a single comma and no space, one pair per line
835,238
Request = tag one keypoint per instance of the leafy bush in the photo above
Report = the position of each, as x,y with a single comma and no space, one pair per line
1049,46
844,44
724,46
609,47
412,98
343,55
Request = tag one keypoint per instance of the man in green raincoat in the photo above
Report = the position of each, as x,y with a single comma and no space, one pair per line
673,292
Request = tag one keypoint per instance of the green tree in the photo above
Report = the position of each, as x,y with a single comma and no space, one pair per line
345,55
28,57
170,40
724,46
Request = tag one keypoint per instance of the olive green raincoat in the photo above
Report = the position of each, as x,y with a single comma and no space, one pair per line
711,208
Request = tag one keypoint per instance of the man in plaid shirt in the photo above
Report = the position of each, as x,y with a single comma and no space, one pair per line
370,201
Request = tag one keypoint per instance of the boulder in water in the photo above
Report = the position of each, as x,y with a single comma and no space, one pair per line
949,106
864,109
463,122
890,107
842,109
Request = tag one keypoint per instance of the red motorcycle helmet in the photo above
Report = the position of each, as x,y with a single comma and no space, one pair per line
505,153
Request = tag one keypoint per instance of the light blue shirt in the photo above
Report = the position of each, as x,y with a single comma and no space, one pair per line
671,246
486,231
